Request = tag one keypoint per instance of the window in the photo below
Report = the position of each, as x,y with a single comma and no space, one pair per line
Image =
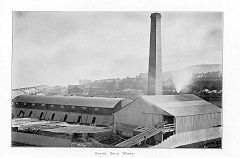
17,103
84,108
96,109
62,106
43,105
72,107
33,104
51,106
24,103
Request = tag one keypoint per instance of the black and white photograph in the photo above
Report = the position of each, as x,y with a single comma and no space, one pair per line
117,79
130,79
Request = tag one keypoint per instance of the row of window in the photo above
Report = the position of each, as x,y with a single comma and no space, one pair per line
61,106
65,108
21,114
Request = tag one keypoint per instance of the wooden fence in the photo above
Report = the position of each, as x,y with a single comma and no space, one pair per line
169,127
190,137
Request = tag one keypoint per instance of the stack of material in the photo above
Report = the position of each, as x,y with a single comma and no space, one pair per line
98,133
60,129
78,129
29,125
38,127
17,122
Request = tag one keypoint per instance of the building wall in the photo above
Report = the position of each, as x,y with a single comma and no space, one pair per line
142,113
106,120
65,108
195,122
137,113
191,139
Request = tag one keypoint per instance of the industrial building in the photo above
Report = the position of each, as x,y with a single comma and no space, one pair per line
185,112
81,110
36,90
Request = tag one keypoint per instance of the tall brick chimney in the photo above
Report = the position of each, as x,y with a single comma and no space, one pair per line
155,57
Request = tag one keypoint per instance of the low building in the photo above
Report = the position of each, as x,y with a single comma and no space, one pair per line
56,90
186,112
76,90
36,90
81,110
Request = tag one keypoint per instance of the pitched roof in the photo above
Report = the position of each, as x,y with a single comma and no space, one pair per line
70,100
78,129
181,105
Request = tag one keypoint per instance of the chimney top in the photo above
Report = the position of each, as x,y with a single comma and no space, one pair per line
153,15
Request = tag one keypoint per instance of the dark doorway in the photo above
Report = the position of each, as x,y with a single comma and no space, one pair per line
65,118
168,119
30,114
93,120
79,119
166,135
21,113
40,117
52,116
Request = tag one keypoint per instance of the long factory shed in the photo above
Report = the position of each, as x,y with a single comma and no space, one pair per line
186,111
83,110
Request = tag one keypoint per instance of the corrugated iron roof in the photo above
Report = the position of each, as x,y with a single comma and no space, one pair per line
70,100
181,105
78,129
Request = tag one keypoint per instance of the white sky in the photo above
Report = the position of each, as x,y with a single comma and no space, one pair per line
59,48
